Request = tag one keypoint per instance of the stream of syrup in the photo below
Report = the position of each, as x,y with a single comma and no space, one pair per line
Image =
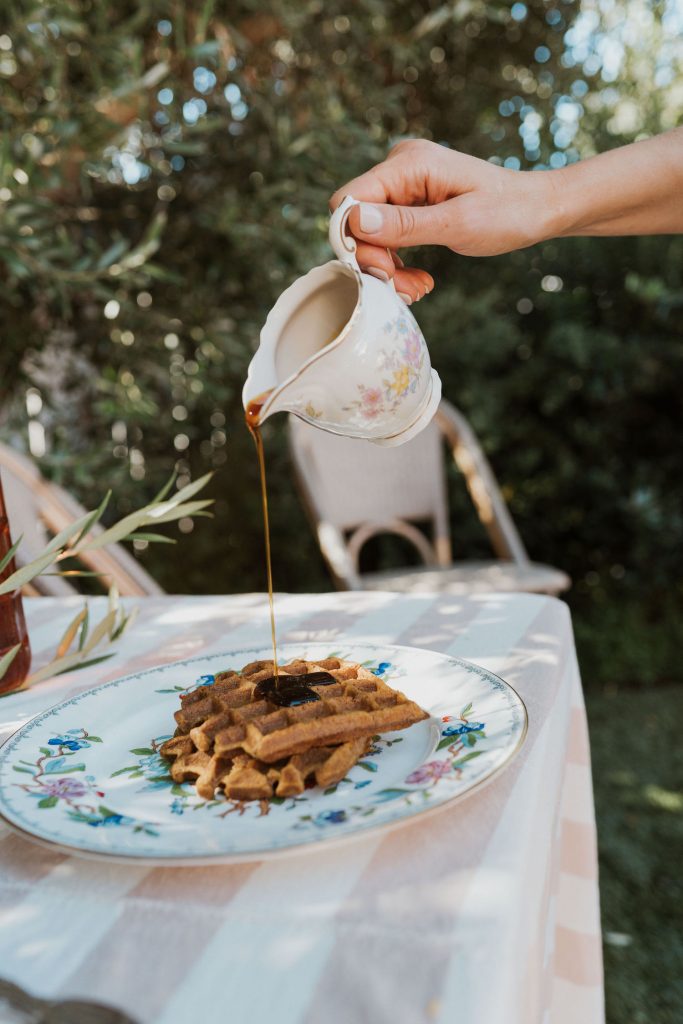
252,418
291,692
284,690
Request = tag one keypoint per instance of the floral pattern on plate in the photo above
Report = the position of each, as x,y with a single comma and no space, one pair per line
454,737
87,774
80,795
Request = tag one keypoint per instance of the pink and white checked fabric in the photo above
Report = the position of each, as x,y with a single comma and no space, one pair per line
487,911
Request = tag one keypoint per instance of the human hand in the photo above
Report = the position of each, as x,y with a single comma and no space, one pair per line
425,194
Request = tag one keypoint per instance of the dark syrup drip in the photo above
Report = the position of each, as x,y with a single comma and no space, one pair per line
253,415
288,691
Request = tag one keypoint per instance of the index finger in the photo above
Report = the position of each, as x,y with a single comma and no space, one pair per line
368,188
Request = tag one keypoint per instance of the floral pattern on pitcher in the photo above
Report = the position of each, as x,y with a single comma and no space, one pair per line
401,368
312,412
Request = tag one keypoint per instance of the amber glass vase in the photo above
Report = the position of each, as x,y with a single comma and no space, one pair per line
12,622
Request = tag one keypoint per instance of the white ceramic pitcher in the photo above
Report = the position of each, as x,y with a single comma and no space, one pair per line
342,350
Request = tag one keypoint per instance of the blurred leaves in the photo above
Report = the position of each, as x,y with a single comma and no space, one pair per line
83,536
164,174
76,540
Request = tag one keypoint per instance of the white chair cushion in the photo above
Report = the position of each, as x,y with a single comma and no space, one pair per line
470,578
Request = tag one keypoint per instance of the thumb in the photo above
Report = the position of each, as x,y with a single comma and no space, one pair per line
395,227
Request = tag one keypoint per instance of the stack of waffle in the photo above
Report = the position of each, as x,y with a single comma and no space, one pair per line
235,736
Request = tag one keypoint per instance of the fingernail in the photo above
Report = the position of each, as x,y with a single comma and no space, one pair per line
376,272
406,298
370,219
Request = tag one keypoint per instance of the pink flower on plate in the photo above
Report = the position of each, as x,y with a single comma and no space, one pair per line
65,788
432,771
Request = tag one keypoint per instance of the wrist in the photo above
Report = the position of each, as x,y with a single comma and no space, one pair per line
556,212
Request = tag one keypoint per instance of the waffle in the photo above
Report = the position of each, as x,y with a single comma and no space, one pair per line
245,778
228,718
232,738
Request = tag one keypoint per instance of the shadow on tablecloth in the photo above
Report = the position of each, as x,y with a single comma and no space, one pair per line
18,1007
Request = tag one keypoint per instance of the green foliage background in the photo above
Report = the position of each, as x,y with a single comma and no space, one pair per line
165,169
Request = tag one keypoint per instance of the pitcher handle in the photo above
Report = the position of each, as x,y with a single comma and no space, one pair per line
344,245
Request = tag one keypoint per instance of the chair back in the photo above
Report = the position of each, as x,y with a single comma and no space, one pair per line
38,510
357,488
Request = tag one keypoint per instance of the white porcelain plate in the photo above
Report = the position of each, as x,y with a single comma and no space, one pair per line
86,775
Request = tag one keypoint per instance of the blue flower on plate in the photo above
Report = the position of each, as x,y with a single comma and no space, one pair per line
153,762
163,782
115,819
462,728
177,806
110,819
68,741
330,817
381,668
206,680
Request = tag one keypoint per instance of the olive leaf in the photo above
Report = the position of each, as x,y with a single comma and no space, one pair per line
4,562
70,632
8,658
110,628
28,572
77,538
72,542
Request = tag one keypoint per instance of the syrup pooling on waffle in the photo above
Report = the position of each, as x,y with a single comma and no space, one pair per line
230,718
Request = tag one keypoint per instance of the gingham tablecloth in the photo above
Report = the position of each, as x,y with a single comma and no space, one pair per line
486,911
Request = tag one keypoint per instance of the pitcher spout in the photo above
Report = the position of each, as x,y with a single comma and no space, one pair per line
308,321
262,394
261,384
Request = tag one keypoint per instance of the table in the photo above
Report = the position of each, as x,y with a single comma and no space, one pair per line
486,911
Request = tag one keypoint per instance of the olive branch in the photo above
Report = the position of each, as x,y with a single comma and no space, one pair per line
78,645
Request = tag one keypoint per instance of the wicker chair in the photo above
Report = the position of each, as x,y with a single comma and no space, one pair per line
39,509
354,490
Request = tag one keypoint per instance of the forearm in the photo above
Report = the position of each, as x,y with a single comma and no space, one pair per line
634,190
425,194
